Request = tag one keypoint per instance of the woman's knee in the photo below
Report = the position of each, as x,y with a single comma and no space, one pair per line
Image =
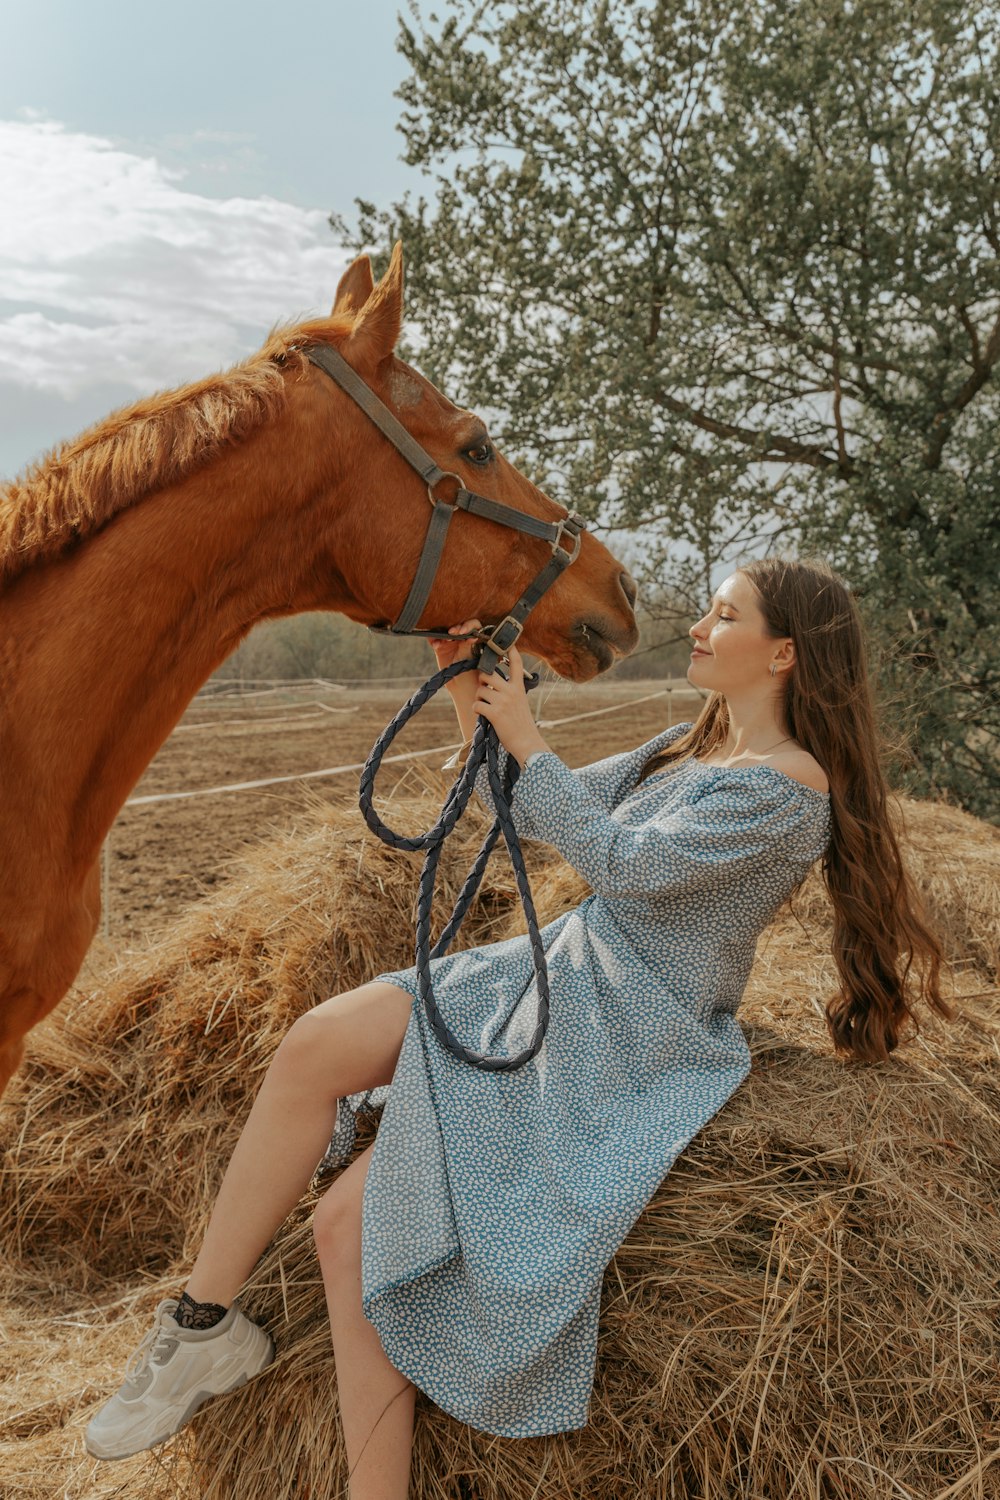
309,1045
355,1037
337,1231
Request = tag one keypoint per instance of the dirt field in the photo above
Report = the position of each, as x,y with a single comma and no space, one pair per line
774,1239
162,855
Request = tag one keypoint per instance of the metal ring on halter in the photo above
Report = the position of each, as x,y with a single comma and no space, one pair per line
432,486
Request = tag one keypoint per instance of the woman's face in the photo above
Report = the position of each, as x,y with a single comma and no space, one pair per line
732,650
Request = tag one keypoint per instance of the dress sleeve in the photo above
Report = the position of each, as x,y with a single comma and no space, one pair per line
606,781
733,828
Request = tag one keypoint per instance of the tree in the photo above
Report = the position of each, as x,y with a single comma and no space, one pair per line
727,274
324,645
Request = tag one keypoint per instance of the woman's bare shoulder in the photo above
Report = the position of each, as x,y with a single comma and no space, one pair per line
801,766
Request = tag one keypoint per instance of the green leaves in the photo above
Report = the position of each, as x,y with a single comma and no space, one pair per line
729,275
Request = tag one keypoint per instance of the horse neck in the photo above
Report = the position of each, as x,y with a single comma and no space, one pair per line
114,640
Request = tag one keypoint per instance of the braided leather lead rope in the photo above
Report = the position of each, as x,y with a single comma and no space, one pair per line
485,746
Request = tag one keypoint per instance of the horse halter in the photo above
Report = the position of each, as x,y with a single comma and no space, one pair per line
563,536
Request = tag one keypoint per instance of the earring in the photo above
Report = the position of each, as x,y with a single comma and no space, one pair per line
772,669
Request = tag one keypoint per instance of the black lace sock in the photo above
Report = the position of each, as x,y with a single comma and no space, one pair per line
191,1314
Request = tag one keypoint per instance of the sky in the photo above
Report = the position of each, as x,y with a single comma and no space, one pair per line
165,179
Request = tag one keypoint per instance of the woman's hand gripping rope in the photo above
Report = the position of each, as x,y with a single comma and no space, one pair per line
498,697
503,701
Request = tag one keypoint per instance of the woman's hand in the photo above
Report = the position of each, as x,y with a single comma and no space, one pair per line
463,688
447,651
503,701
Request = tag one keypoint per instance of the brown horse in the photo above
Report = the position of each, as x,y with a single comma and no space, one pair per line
134,560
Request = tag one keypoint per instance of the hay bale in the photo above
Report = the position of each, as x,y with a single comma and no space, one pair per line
807,1307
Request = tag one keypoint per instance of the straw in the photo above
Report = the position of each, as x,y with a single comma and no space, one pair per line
808,1306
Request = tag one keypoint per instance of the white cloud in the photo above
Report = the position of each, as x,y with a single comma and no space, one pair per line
110,272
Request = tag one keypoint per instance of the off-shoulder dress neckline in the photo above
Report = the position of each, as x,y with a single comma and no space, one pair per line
708,765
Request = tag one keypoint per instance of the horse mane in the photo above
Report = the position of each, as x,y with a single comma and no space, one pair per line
82,484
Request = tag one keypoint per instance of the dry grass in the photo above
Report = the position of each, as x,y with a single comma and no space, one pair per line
808,1307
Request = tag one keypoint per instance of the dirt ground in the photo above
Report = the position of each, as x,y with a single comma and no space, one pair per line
162,855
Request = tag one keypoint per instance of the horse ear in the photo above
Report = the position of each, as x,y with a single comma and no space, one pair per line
354,287
376,327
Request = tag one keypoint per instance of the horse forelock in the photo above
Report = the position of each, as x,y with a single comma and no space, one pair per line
83,483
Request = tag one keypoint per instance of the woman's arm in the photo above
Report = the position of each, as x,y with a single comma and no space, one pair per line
704,845
607,780
505,705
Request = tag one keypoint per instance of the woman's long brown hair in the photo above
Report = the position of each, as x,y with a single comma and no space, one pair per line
885,952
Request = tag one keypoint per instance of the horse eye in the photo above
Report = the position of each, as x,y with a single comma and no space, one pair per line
481,454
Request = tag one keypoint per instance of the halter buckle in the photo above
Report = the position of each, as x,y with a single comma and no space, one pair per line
574,524
511,629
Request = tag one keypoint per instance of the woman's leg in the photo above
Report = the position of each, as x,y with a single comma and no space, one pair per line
376,1401
342,1046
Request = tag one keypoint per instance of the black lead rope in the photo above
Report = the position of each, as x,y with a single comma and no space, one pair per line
485,747
564,539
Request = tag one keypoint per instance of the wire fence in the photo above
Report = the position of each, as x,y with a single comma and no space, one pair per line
210,695
343,770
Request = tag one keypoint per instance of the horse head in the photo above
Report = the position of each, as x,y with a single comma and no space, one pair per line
376,528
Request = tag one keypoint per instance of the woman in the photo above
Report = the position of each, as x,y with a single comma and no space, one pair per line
490,1203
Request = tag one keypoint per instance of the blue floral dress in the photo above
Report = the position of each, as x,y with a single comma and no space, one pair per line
494,1201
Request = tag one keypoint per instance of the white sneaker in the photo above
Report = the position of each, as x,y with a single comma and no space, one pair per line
173,1372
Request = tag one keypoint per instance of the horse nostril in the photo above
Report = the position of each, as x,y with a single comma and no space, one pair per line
629,588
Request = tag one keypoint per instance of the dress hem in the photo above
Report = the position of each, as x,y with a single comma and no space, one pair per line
446,1406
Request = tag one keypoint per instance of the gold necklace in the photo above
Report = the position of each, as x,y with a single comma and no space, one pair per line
760,752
